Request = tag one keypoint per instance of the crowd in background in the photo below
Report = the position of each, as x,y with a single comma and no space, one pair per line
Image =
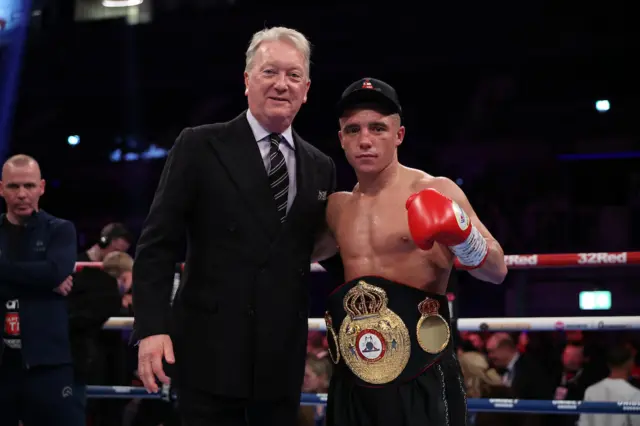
545,209
569,366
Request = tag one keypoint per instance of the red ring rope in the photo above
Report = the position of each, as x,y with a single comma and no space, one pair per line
534,261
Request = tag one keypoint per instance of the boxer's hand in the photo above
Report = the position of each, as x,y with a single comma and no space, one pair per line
66,286
150,353
436,218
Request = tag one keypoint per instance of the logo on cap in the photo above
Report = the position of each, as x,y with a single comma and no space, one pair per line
367,85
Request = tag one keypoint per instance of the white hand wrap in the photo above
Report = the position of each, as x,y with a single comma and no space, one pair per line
473,250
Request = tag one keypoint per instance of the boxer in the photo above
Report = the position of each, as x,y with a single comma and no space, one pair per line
399,233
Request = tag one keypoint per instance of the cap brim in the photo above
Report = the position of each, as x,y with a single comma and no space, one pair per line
370,97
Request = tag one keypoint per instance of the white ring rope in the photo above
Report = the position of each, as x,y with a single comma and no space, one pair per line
484,324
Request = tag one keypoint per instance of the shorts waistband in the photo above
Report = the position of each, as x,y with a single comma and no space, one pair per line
386,332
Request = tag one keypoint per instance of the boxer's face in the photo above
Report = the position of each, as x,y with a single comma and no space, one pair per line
21,187
370,139
277,84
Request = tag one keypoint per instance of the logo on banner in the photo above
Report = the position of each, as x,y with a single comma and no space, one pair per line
521,260
12,324
602,258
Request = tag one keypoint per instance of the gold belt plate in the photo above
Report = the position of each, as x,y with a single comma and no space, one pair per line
374,341
433,330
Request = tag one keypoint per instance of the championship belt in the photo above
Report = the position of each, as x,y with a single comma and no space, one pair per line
433,330
374,341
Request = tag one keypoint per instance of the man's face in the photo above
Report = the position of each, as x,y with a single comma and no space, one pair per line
499,356
125,280
277,84
119,244
21,187
369,139
312,382
572,358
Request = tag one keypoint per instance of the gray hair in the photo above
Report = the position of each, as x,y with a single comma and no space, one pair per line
296,38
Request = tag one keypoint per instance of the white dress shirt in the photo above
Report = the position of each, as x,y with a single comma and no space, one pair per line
287,148
611,390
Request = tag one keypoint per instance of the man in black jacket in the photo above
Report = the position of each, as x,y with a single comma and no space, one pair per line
250,197
37,254
522,372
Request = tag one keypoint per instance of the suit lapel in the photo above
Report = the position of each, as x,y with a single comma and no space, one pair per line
240,155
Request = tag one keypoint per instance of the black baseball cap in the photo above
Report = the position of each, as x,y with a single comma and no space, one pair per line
369,91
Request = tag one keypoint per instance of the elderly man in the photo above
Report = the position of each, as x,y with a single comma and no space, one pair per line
249,195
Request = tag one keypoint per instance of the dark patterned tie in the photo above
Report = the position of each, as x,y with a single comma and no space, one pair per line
278,176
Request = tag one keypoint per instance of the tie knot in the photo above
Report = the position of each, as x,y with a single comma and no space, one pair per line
274,138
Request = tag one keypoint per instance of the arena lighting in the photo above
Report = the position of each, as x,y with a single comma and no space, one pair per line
73,140
592,300
603,105
121,3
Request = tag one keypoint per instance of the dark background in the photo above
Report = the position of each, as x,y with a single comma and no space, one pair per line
496,96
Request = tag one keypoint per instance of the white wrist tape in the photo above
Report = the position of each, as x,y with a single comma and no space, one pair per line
473,250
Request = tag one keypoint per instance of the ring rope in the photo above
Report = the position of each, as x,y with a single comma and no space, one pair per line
614,323
474,404
522,261
530,261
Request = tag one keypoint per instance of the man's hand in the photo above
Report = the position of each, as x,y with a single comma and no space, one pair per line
150,353
127,300
66,286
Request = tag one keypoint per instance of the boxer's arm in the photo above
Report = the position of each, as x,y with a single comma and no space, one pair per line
326,245
493,270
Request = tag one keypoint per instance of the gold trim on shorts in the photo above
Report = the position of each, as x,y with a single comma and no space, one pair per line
374,341
433,331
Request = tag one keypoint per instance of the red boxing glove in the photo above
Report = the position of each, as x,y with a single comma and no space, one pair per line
436,218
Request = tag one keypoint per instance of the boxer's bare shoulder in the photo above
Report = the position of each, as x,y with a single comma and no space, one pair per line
372,233
441,184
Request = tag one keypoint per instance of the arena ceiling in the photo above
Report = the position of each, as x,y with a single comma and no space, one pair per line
459,65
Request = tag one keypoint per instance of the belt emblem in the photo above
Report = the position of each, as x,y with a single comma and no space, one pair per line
374,341
433,331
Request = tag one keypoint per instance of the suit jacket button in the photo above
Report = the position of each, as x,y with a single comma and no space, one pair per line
231,227
251,312
301,271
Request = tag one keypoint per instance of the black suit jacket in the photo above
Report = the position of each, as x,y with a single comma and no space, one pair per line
530,380
239,320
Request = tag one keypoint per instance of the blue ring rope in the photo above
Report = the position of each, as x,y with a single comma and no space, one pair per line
474,404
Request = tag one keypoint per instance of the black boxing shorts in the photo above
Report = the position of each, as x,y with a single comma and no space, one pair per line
394,360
